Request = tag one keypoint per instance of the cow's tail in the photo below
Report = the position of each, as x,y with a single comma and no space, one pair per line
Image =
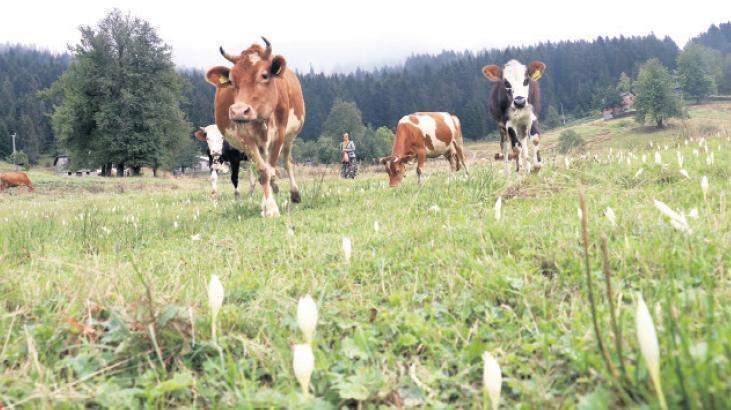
458,142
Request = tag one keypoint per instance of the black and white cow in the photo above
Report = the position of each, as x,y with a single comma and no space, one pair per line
220,151
515,103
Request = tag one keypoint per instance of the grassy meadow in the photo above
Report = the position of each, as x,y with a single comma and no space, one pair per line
103,284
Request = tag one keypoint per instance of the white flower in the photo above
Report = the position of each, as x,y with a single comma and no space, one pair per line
644,158
649,347
303,363
307,317
639,172
684,173
434,208
680,158
196,237
290,232
347,248
376,226
611,216
215,301
658,159
579,213
498,208
709,159
677,220
696,153
566,162
693,213
704,186
492,379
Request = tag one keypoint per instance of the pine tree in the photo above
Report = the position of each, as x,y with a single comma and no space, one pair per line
656,99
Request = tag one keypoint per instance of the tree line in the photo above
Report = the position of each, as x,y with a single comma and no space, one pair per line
117,98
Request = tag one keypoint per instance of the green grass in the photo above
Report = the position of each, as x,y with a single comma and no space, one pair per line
92,268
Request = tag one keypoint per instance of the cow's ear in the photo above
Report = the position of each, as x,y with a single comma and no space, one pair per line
218,76
384,160
278,66
536,70
200,135
492,72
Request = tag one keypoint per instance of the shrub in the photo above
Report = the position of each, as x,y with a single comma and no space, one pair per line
19,158
570,140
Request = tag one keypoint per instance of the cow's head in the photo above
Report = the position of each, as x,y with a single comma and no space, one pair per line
252,79
516,79
211,136
396,168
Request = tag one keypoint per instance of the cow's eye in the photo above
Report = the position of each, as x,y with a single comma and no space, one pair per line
265,76
525,82
507,84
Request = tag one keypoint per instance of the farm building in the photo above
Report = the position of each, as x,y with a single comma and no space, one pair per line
623,109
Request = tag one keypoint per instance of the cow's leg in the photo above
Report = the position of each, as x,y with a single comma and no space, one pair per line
504,147
294,191
269,206
515,147
275,148
252,181
214,182
420,160
535,133
235,164
453,166
459,153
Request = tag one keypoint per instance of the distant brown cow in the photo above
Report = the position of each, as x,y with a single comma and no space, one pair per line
13,179
421,135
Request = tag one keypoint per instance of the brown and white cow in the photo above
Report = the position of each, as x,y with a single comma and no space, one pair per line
515,103
13,179
259,109
421,135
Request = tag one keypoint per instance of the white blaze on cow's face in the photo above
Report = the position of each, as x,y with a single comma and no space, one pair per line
211,136
517,82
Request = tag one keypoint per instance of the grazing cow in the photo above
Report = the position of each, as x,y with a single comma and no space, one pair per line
259,109
421,135
515,103
220,151
13,179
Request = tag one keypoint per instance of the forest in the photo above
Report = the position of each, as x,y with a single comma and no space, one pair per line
581,78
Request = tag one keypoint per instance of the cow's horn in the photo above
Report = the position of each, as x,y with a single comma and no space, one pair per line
268,51
227,56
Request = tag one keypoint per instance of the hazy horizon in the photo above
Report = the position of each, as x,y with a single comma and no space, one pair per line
336,38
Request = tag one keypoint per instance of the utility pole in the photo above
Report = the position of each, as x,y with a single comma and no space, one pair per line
15,160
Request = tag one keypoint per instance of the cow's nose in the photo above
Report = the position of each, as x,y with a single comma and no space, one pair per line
239,112
519,102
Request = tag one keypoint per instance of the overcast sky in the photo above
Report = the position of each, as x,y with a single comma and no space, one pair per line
339,36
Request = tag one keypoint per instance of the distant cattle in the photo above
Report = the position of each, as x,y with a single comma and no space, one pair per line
220,151
421,135
259,109
515,103
15,179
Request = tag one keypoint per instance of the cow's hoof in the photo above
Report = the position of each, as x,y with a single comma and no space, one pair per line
536,168
274,186
295,196
237,194
269,208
